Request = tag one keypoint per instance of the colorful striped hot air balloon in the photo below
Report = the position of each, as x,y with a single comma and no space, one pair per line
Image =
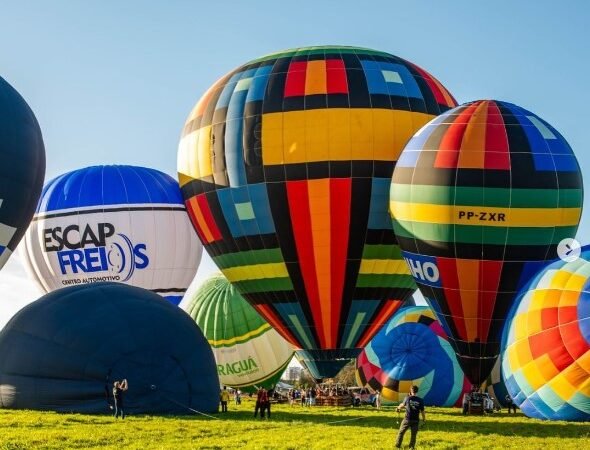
285,165
546,357
481,196
413,349
248,351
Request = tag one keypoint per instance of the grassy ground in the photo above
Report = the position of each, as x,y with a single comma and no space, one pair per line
289,428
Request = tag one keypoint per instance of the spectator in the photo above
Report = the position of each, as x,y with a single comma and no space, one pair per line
118,388
414,406
510,403
224,397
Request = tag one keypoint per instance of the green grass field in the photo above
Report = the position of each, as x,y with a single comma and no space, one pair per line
289,428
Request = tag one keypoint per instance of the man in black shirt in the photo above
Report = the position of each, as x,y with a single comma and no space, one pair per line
414,406
118,388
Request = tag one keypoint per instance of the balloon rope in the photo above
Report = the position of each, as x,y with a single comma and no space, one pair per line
189,408
345,420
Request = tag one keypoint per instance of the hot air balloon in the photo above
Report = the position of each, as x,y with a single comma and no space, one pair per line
113,223
64,351
494,385
546,343
481,196
248,351
285,166
413,349
22,168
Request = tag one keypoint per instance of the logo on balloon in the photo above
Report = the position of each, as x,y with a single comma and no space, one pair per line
93,249
423,269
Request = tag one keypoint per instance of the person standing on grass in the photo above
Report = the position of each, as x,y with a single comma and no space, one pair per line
510,403
377,399
238,397
258,406
224,398
264,402
118,388
414,406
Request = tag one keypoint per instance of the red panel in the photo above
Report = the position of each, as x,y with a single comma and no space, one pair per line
567,314
540,342
450,284
194,221
450,143
574,341
489,280
298,197
295,84
497,151
558,354
208,216
549,318
340,194
336,77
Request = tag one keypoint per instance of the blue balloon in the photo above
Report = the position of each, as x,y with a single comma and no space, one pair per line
22,168
64,351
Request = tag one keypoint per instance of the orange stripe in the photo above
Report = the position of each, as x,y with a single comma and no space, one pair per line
468,274
200,219
472,154
315,78
319,210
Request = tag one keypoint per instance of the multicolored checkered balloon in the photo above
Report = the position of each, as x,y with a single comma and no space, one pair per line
413,349
546,357
481,196
285,165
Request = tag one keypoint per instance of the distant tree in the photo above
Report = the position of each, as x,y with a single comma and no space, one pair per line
305,379
346,375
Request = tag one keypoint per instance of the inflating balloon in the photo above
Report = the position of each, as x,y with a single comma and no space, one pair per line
22,168
494,385
546,343
480,197
64,351
285,167
248,351
413,349
113,223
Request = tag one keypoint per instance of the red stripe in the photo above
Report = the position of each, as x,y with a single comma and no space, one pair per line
274,320
298,197
340,195
549,318
388,309
336,77
573,340
208,216
191,213
489,281
497,155
450,144
295,84
450,282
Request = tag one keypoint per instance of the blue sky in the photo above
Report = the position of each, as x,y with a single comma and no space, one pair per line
111,82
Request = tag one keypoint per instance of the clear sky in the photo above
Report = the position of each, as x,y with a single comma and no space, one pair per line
112,81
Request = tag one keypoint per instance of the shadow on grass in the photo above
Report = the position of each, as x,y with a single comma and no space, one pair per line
451,421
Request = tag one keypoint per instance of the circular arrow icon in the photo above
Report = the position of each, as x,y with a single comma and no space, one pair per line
569,250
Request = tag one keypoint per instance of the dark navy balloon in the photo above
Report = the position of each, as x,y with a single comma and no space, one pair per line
22,168
64,351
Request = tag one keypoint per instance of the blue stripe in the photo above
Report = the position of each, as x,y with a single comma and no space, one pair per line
109,186
358,306
234,150
174,299
294,309
256,195
259,82
379,218
378,85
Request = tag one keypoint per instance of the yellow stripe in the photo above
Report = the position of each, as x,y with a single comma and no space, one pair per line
194,154
349,134
384,266
256,272
460,215
245,337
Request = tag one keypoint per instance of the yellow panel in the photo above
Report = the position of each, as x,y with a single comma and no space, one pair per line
339,141
316,134
569,298
256,272
184,179
546,368
315,78
519,325
544,298
584,362
204,152
574,374
519,354
533,322
470,215
560,279
383,136
562,387
361,134
294,150
272,138
532,375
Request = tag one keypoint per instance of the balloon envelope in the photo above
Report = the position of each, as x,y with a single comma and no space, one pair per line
64,351
113,223
22,168
413,349
285,166
248,351
480,197
546,343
